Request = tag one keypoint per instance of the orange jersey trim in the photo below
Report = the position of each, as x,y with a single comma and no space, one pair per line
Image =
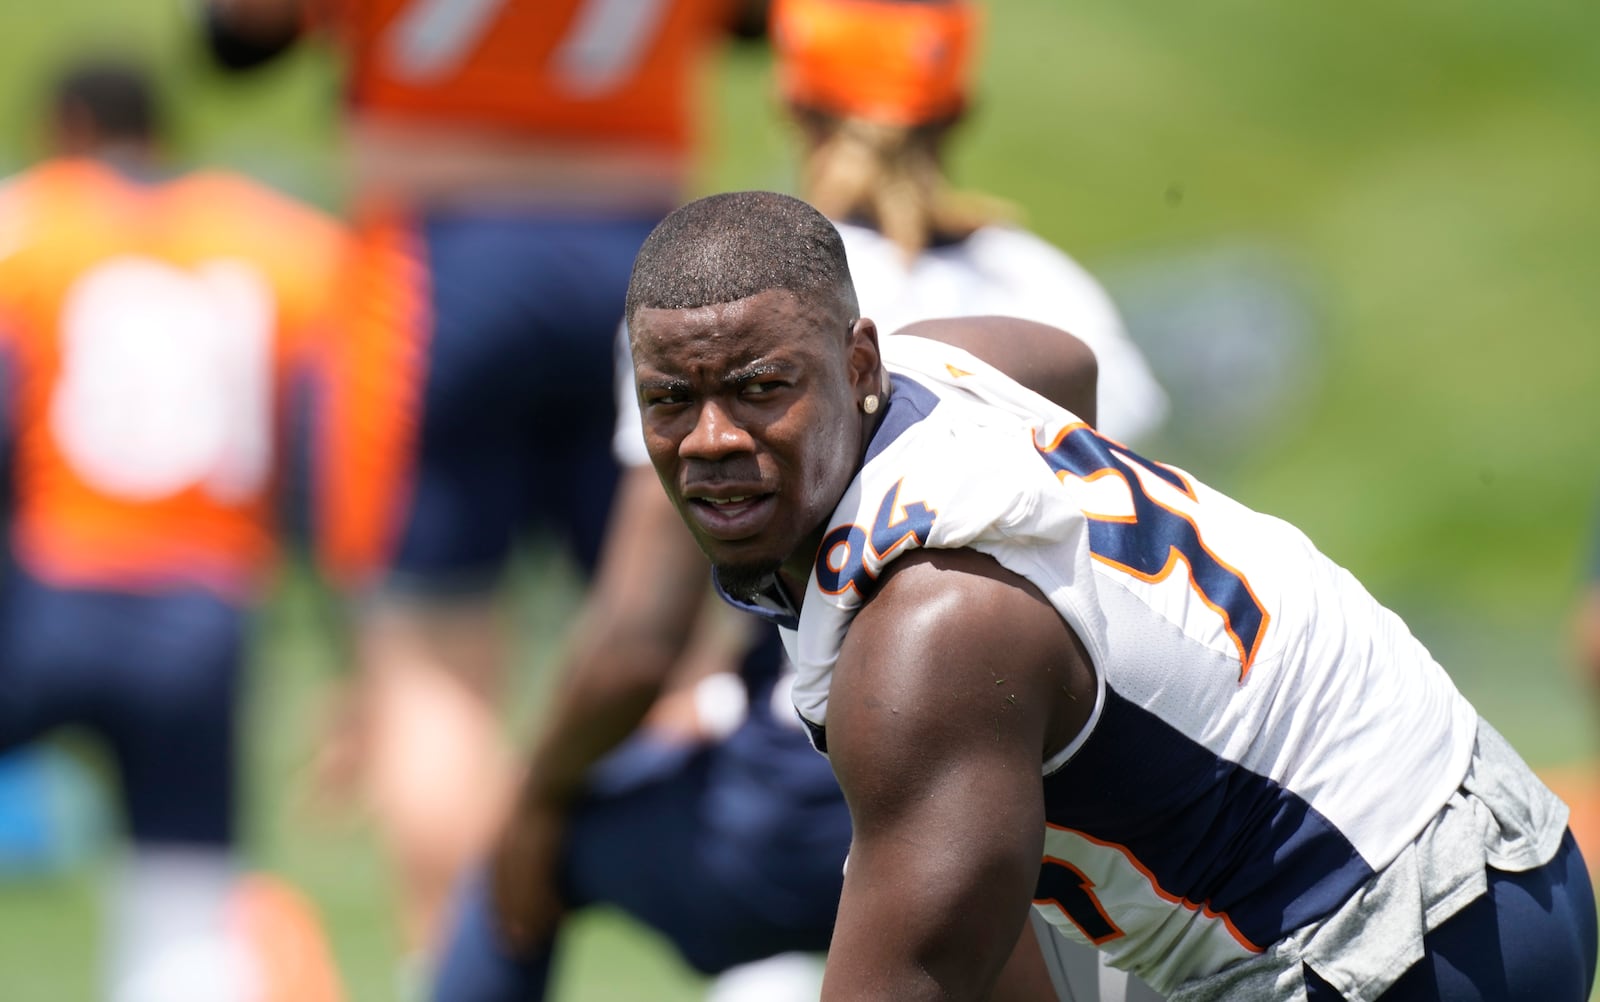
1161,892
1247,655
1087,886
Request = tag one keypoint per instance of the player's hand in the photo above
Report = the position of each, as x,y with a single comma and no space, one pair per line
527,902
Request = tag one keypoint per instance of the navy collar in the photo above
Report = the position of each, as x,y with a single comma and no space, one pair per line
772,604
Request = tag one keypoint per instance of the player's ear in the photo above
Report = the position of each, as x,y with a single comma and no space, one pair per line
866,363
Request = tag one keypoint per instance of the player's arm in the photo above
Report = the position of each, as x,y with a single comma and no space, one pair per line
1047,360
243,34
953,685
635,622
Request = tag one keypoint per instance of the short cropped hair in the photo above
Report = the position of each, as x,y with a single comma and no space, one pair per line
734,245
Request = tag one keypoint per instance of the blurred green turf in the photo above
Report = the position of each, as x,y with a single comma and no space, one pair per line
1425,170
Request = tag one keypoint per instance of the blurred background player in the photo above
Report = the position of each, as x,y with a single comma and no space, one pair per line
731,807
507,158
873,161
150,325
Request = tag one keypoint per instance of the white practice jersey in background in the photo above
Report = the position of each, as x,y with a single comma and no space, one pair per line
1010,272
1265,736
997,271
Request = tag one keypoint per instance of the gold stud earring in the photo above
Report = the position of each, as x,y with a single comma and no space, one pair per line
870,404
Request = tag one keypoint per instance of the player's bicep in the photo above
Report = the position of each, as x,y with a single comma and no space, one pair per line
938,716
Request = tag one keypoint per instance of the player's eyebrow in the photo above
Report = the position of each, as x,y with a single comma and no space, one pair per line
663,384
755,371
729,381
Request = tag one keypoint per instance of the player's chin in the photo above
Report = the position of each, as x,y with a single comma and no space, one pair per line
745,579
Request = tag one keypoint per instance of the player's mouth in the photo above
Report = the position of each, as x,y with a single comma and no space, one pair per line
732,515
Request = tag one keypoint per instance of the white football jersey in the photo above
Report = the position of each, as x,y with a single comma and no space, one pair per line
997,271
1265,735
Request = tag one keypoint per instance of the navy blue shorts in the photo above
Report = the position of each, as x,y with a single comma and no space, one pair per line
518,401
1533,936
156,676
693,843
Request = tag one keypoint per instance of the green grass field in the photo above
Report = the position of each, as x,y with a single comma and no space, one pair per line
1416,184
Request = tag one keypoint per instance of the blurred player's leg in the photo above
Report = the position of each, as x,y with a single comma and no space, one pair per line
686,840
187,927
509,434
440,771
157,676
285,936
172,721
477,965
171,940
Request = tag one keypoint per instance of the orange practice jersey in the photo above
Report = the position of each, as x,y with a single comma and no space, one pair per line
594,72
150,330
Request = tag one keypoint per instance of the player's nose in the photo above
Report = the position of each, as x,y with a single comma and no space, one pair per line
715,435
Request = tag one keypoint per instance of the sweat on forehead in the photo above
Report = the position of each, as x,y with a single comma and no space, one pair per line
734,245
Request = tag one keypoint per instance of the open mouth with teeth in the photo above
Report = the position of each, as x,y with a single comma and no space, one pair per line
733,516
730,502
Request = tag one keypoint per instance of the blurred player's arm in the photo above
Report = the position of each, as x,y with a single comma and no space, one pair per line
943,705
636,621
1587,630
1588,637
1047,360
243,34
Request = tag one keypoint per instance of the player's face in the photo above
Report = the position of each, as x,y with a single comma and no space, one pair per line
752,420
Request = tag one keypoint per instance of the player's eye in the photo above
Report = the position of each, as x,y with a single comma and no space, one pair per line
761,387
665,398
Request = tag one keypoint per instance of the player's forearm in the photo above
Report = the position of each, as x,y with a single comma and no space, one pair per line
599,702
1588,635
928,927
938,969
635,625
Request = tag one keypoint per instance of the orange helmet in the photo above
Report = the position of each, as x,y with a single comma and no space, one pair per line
900,63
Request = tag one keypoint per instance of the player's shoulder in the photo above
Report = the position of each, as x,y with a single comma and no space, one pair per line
36,190
240,214
47,206
947,468
231,192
